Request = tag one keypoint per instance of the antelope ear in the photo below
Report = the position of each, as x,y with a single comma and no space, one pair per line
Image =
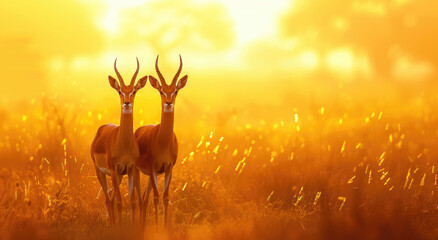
141,83
154,82
113,82
182,82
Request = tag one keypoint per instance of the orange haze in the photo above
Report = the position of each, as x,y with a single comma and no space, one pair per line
305,100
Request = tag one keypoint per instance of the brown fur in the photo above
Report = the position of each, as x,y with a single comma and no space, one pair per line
145,137
158,144
114,149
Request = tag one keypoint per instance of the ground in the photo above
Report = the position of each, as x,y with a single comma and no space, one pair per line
323,172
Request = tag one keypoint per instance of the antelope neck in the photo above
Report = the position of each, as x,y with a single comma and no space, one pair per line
126,130
165,133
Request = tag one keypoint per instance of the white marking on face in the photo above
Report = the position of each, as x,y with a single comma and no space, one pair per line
168,109
127,110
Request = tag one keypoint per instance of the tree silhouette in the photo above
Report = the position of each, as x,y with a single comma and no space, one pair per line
383,29
35,32
169,25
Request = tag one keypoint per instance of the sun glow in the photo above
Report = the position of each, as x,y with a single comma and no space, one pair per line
255,19
340,60
309,59
109,22
327,107
252,19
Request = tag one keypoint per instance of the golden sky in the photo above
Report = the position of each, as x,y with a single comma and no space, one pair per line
227,46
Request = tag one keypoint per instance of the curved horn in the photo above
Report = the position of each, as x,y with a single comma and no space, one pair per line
178,72
135,74
163,82
118,74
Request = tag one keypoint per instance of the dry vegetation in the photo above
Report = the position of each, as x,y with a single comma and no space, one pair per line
319,174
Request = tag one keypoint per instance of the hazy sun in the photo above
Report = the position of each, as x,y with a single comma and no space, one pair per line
111,17
253,19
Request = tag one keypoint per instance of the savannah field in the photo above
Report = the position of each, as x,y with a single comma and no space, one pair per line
301,119
358,167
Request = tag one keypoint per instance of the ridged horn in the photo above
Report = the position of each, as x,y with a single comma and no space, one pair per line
160,76
178,72
118,74
135,74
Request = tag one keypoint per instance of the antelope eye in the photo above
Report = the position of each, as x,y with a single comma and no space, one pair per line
134,92
161,93
120,92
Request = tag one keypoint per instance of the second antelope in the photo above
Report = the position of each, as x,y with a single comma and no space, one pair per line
114,149
157,143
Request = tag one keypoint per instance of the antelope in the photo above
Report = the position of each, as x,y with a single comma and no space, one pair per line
114,149
158,144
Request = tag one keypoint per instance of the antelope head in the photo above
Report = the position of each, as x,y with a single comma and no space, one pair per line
168,92
127,92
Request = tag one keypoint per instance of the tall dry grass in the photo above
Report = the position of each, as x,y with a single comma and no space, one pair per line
321,173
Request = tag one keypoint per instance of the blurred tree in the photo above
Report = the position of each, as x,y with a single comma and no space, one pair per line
183,25
385,30
35,32
57,28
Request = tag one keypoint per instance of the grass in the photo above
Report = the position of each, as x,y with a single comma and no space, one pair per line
319,174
